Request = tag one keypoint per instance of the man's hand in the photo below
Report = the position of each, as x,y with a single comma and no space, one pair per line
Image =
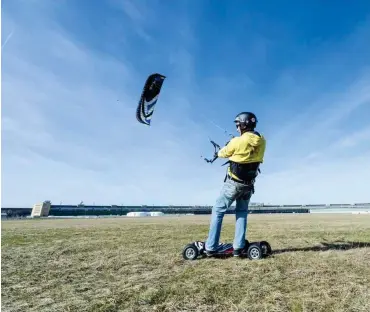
228,150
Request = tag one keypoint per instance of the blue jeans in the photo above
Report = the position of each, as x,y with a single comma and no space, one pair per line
230,192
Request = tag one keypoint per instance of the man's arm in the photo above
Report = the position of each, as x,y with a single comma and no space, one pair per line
228,150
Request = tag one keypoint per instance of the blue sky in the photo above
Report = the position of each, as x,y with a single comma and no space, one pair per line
73,71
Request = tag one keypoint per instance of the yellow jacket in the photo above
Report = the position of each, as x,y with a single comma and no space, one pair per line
247,148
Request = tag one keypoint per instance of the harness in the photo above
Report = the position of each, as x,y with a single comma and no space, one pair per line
247,173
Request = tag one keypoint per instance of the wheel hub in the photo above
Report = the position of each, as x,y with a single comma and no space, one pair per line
190,253
254,253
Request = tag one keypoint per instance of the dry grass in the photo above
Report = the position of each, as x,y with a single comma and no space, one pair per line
321,263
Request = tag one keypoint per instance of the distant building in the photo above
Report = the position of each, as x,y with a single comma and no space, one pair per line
41,209
156,214
138,214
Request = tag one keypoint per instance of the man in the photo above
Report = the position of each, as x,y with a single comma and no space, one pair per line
245,154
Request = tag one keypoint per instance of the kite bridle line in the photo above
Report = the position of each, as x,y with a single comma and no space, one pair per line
216,125
225,131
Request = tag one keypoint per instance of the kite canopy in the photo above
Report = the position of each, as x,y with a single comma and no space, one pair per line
149,98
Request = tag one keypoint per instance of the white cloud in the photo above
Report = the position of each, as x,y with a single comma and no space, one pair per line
323,156
354,139
328,180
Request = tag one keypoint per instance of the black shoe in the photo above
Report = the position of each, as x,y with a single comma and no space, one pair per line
210,253
237,252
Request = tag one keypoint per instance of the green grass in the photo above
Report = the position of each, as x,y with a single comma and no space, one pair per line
322,263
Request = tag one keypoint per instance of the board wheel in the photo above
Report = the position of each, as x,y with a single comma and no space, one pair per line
190,252
254,251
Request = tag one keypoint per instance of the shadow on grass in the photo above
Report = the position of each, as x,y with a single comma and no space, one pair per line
325,247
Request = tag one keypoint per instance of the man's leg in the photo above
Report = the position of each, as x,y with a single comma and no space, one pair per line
223,202
241,215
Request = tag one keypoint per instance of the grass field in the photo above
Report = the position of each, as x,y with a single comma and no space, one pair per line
321,263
